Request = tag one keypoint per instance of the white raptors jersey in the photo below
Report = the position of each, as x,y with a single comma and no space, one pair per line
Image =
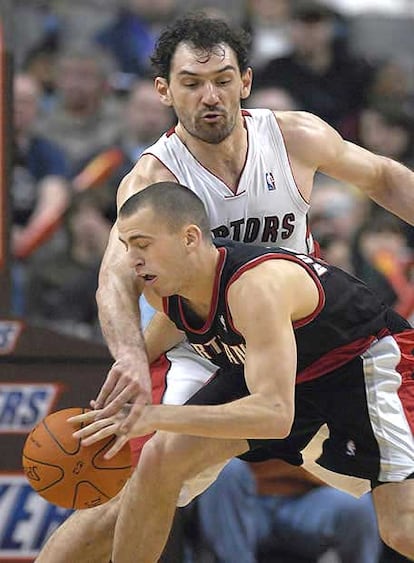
267,206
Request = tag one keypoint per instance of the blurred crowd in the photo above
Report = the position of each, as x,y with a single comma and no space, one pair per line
84,109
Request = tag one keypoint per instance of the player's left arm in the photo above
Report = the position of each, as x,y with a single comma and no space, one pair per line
386,181
312,142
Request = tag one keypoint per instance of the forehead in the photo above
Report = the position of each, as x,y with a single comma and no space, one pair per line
142,223
188,58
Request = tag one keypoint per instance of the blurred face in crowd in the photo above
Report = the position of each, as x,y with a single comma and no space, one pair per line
146,117
205,91
336,210
25,102
377,135
311,36
152,10
80,82
269,12
276,99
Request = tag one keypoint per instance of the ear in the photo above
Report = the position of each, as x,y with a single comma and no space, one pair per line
192,237
246,85
163,89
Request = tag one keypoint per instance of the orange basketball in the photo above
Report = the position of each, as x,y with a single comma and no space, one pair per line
68,474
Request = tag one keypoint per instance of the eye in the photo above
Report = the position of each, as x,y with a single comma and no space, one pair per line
142,245
224,82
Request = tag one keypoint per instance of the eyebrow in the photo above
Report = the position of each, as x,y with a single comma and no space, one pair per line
189,73
133,238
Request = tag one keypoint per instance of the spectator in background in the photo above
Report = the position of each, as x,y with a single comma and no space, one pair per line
86,117
337,209
388,130
131,37
268,24
143,120
391,86
39,189
381,245
63,286
337,215
272,97
276,512
319,72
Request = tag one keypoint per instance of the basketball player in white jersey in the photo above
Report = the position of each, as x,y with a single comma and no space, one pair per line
254,173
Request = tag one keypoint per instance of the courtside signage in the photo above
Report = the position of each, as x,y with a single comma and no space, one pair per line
26,519
23,405
9,335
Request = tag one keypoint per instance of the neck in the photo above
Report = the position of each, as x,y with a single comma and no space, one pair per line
225,159
198,291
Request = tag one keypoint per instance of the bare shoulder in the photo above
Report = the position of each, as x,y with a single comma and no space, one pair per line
307,137
300,124
146,171
272,283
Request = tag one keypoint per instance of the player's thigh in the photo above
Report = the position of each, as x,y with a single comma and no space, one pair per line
187,373
189,455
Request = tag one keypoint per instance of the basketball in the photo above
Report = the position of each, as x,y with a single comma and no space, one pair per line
70,475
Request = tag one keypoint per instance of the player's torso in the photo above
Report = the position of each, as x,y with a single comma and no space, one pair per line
266,208
337,331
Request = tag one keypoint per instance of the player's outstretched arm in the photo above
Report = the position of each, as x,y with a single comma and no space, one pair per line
118,306
312,143
128,381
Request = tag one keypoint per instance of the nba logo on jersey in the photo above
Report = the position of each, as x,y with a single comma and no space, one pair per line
270,181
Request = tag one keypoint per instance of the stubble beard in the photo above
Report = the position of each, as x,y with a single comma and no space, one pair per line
212,134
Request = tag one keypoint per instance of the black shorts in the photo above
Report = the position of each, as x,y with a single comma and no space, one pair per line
367,405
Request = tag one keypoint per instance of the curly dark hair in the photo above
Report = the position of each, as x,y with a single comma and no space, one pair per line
203,33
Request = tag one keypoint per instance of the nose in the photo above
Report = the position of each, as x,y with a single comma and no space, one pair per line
210,94
134,259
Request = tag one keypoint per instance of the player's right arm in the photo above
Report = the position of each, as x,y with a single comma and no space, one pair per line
117,297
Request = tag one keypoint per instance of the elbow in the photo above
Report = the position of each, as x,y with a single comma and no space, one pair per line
281,425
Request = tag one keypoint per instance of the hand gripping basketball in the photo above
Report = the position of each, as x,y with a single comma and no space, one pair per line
67,473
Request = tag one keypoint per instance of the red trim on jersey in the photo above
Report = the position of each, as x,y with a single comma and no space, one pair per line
316,249
246,113
335,359
253,263
170,131
406,369
159,370
214,299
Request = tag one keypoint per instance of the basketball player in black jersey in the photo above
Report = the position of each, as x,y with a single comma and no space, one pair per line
297,343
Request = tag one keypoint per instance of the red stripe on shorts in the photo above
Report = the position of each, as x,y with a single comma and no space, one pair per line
405,368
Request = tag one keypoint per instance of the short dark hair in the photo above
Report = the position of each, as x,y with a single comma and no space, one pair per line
177,205
203,33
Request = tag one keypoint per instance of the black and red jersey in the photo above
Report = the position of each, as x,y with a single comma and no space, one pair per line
349,316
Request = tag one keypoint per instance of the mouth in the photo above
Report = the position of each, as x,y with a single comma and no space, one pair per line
148,278
212,117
